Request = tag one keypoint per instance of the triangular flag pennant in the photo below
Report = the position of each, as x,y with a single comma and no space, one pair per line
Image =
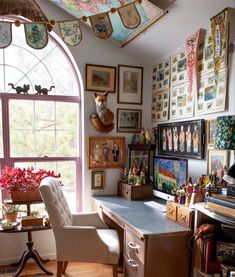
71,32
129,16
36,35
5,34
219,31
191,46
101,25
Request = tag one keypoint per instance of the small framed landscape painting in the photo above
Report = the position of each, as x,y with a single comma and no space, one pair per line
129,120
217,160
100,78
183,139
210,132
130,84
106,152
97,179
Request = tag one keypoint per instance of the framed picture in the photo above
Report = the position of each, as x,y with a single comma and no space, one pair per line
185,139
130,84
178,68
210,132
129,120
161,76
160,106
217,160
106,152
97,179
100,78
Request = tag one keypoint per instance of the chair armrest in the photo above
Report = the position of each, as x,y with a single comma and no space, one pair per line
89,219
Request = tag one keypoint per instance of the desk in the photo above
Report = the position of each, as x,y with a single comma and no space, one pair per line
30,253
152,245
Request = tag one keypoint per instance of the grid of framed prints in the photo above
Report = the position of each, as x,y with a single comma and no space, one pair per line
161,76
160,104
178,68
181,104
211,98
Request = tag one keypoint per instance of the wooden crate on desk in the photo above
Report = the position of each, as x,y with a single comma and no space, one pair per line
171,210
135,192
185,216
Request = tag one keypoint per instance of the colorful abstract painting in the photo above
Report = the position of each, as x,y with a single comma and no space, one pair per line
148,12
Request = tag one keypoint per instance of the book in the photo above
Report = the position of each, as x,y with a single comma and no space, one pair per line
220,209
224,197
220,201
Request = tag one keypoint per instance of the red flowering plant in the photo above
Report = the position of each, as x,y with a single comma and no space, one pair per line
23,179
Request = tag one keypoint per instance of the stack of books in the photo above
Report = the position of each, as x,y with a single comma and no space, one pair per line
221,204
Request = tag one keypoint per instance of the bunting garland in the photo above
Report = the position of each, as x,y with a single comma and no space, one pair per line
191,46
5,34
129,16
101,25
36,35
219,26
71,32
36,32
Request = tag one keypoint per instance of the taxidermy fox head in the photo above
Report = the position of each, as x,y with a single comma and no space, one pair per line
104,114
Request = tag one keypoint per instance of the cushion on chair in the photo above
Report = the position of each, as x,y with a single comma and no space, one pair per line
110,238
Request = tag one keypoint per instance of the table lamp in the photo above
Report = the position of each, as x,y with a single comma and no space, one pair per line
225,140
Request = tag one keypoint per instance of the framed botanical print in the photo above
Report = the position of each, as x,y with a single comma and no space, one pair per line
210,132
100,78
97,179
130,84
161,76
129,120
106,152
217,160
183,139
178,68
181,103
160,106
211,96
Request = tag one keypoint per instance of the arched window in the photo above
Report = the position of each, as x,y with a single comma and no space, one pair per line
41,130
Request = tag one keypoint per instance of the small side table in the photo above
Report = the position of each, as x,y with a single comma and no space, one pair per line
30,253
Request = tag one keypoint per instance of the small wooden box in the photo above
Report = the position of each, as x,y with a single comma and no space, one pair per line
31,221
185,216
135,192
171,210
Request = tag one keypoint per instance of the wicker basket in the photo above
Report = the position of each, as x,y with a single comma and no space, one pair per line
29,195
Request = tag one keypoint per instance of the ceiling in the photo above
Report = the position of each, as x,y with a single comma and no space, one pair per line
168,34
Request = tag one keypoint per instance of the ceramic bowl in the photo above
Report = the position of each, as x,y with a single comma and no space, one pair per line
8,225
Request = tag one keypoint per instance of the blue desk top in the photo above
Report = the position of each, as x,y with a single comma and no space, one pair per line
147,217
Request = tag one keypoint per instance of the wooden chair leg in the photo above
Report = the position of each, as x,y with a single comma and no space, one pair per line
59,269
64,267
115,270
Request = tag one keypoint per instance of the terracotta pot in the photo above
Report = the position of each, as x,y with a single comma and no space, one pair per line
11,217
29,195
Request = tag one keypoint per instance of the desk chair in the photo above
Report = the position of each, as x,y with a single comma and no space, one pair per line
81,237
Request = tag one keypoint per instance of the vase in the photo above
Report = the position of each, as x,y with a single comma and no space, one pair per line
11,216
30,195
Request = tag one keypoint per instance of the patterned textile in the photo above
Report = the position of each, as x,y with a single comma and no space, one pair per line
101,25
71,32
36,35
129,16
225,133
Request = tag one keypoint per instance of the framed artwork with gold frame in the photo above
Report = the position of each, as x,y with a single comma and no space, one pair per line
97,179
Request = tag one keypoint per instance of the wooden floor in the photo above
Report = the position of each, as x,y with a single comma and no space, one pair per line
73,270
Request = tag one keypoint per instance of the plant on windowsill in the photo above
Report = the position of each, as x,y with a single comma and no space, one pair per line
23,184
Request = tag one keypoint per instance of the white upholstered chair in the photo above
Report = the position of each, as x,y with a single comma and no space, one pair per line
81,237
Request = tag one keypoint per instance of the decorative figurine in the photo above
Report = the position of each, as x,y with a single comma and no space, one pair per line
20,89
43,91
148,136
102,120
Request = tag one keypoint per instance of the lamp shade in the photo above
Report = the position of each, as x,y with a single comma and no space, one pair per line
230,175
225,133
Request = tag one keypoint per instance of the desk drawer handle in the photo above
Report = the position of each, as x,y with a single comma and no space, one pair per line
170,211
132,263
183,217
133,246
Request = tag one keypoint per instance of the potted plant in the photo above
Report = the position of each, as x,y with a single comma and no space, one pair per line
23,184
11,212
